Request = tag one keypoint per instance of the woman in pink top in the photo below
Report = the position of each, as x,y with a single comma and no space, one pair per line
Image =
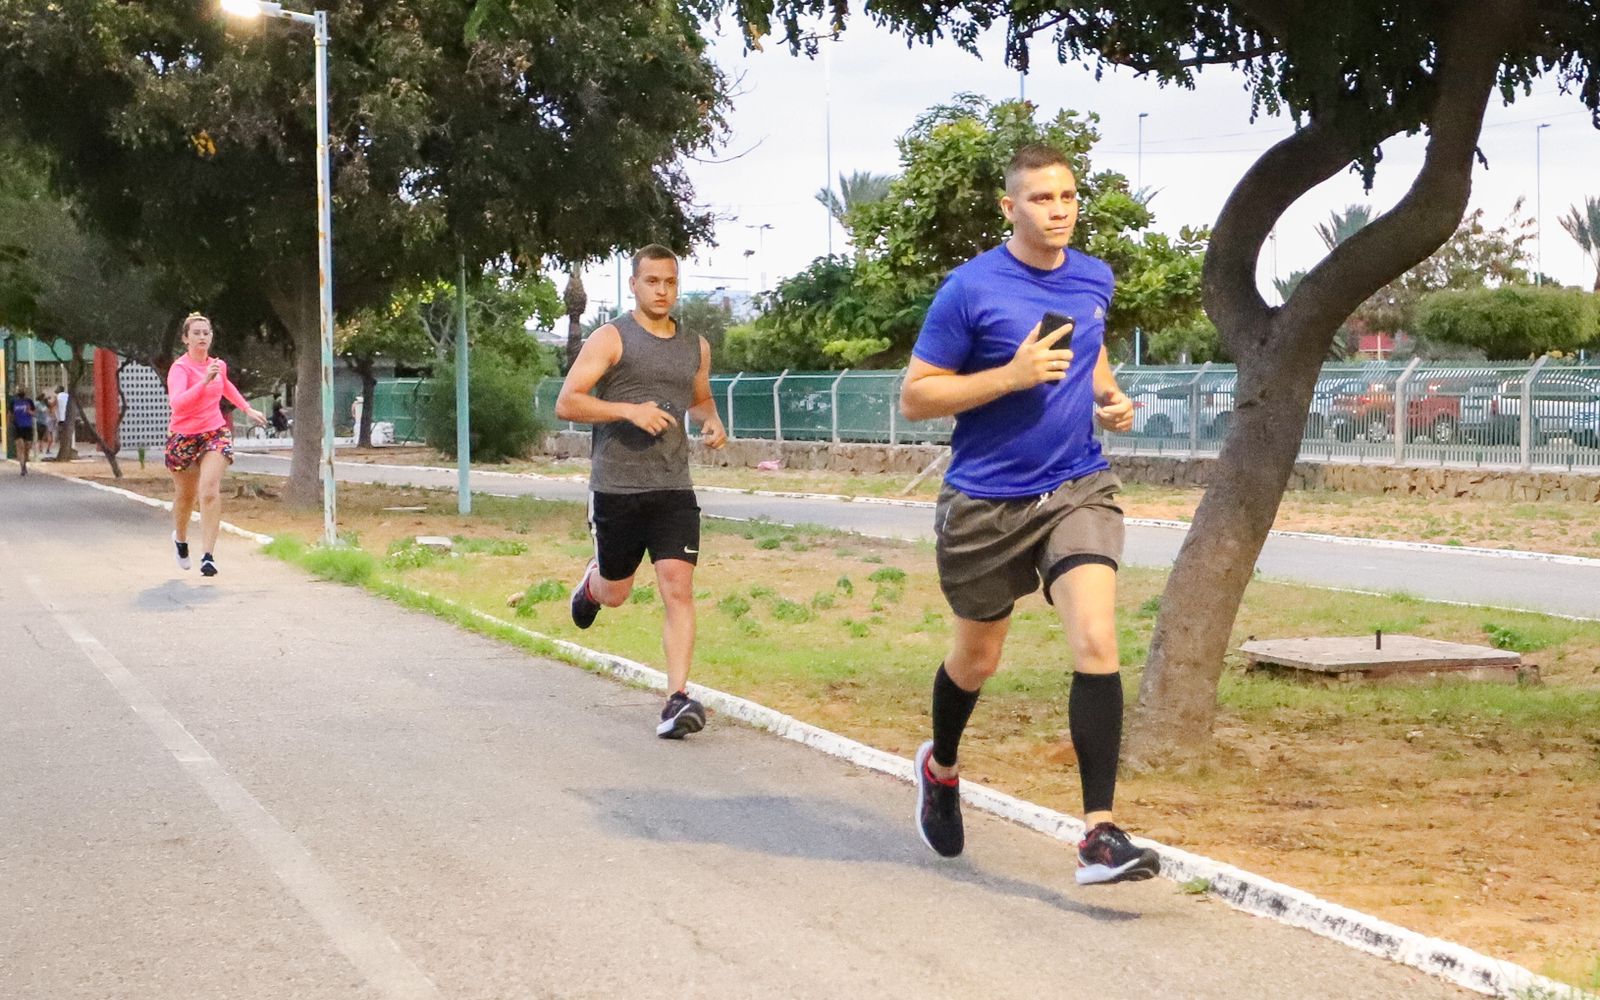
199,444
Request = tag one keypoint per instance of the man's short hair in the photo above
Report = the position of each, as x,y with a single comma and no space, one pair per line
1034,156
654,251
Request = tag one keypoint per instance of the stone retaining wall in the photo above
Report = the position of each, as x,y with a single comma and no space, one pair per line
910,459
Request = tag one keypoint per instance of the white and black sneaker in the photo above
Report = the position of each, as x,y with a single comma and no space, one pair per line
208,565
1107,855
938,808
681,716
180,551
584,606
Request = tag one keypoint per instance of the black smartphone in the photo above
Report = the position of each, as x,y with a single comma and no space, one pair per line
1052,322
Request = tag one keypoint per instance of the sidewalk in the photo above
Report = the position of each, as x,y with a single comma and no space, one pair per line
264,786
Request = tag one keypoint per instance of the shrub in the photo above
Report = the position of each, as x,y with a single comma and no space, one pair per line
500,410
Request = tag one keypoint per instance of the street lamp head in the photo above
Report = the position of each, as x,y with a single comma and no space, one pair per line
1144,114
252,8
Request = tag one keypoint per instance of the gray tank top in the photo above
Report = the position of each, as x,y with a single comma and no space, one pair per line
625,459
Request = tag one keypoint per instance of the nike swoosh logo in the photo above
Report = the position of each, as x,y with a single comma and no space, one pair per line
692,552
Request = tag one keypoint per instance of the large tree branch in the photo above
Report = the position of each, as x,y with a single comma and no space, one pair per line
1469,60
1277,180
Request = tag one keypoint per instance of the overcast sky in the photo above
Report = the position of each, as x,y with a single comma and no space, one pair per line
1196,144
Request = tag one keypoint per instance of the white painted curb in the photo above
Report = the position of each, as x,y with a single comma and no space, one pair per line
167,505
1240,889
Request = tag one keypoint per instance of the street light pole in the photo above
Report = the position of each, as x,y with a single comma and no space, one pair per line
318,22
1538,203
761,243
1138,171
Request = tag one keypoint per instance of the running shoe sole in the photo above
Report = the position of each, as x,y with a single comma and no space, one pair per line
1146,865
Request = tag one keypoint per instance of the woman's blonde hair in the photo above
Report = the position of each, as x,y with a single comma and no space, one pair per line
189,321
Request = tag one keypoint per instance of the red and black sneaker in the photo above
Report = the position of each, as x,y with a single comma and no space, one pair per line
938,808
1107,855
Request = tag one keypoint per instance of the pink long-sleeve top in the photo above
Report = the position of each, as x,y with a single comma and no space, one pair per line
196,403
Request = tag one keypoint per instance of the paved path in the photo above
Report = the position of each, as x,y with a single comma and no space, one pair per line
1494,581
265,787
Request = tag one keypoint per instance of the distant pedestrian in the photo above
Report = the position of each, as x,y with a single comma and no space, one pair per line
46,410
22,426
200,445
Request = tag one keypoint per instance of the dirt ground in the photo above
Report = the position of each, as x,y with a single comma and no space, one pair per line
1563,528
1477,822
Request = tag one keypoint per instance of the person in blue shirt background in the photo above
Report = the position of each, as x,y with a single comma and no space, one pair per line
1014,348
22,411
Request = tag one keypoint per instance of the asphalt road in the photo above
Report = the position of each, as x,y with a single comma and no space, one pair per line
1552,587
261,786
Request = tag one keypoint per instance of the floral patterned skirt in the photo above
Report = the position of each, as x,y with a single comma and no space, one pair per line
184,450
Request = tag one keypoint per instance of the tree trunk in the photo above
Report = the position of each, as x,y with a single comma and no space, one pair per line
1279,353
65,452
76,415
576,300
296,305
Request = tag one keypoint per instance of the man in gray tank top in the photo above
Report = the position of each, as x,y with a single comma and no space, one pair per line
638,380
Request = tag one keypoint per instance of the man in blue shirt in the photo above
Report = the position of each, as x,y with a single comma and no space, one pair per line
1013,347
22,411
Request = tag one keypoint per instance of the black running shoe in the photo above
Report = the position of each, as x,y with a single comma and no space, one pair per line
180,551
938,808
1107,855
208,565
584,606
682,716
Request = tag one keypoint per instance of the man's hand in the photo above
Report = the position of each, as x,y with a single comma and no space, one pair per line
712,434
1038,360
650,418
1114,411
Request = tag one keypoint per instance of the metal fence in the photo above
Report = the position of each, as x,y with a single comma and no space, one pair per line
1544,415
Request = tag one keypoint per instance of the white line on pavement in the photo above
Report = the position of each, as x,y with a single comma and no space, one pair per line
368,946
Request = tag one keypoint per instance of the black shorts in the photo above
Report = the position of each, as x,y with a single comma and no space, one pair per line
22,433
665,523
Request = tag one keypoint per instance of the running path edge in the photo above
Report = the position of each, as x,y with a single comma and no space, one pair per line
1242,890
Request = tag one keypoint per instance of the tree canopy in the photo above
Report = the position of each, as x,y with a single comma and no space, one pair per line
942,210
499,130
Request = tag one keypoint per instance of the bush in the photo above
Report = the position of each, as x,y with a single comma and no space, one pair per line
1512,321
501,417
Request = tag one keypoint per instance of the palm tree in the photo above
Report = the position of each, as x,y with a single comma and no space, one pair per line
1343,225
1585,228
576,300
861,188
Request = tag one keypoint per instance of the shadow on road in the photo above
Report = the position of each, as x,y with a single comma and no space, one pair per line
800,828
174,594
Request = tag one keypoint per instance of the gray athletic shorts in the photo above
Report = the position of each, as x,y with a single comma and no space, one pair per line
991,552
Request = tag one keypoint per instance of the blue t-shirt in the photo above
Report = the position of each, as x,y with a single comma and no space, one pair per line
1025,443
22,413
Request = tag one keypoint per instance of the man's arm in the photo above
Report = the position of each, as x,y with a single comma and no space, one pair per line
1113,409
930,391
704,409
577,402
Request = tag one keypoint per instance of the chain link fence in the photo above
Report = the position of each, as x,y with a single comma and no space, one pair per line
1544,415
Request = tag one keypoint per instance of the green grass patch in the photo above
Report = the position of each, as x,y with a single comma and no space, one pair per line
643,595
489,546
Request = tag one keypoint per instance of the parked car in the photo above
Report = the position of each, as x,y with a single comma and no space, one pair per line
1164,410
1433,410
1561,404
